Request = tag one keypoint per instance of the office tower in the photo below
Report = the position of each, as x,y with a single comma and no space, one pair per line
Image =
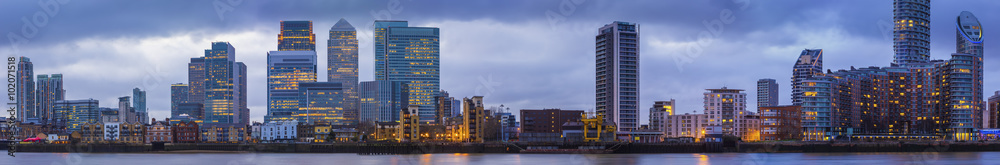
196,80
296,36
659,112
222,85
26,112
178,95
767,93
444,107
323,103
75,113
381,100
139,102
342,64
191,110
410,54
809,64
994,110
617,76
244,112
724,108
911,32
473,119
456,107
108,115
286,69
50,89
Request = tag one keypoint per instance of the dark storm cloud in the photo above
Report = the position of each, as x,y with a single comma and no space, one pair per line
521,53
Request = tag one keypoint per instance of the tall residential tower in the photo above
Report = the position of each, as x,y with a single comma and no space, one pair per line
617,78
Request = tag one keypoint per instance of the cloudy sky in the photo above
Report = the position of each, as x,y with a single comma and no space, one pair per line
524,54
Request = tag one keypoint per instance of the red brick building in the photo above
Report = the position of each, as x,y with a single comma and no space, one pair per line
185,132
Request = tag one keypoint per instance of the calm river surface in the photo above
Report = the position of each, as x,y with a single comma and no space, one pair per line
492,159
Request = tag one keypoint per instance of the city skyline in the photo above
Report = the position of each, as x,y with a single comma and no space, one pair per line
516,86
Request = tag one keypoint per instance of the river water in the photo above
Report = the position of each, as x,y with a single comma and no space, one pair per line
928,158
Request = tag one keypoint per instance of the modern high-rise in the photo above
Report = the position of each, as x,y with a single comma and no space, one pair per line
410,54
26,91
285,70
444,107
617,78
296,36
725,107
911,32
381,100
222,85
49,90
73,114
767,93
196,80
323,103
969,34
178,95
659,112
126,113
342,64
809,64
139,102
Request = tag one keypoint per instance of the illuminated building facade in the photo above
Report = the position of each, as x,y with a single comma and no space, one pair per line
196,80
342,64
49,90
686,125
26,112
658,113
75,113
780,122
994,110
911,32
473,119
726,108
410,54
617,79
323,103
286,70
296,36
223,85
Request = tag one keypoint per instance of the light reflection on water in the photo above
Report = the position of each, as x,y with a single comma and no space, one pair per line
929,158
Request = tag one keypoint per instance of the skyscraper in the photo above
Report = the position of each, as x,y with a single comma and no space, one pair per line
196,80
139,102
410,54
381,100
286,69
296,36
50,89
342,64
959,90
809,64
126,113
322,103
178,95
767,93
911,31
26,91
617,76
223,85
969,34
725,107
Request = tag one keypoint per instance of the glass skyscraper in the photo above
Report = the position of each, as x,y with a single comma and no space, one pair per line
178,95
50,89
196,80
382,100
286,69
75,113
911,32
410,54
222,85
26,91
342,64
296,36
322,103
139,102
617,77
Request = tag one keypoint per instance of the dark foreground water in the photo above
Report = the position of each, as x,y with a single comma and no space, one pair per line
493,159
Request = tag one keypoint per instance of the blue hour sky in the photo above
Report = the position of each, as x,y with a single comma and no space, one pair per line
524,54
